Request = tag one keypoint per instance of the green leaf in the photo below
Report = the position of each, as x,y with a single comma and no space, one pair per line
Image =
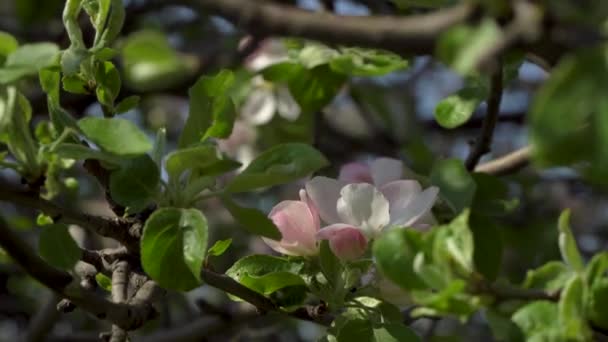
253,220
367,62
212,112
173,247
330,264
571,308
27,60
104,282
567,243
575,94
315,88
50,80
219,247
492,196
150,63
127,104
598,311
395,252
313,54
596,268
74,84
72,59
8,44
81,152
57,247
502,327
205,159
551,276
458,108
455,183
356,330
539,321
488,242
452,300
463,48
454,241
135,183
266,274
117,136
395,332
108,83
277,165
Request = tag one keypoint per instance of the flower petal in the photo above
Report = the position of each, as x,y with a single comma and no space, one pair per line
362,205
356,173
287,106
400,193
417,208
312,207
346,242
324,193
385,170
259,107
297,226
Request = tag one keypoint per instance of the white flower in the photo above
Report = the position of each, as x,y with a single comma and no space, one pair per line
266,99
371,208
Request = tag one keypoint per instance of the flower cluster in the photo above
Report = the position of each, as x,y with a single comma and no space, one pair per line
364,201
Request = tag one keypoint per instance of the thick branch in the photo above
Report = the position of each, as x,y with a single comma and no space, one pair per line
115,228
482,145
404,35
127,316
507,164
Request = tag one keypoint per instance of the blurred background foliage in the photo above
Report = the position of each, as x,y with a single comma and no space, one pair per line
347,113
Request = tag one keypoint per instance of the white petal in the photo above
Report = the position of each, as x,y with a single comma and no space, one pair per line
324,193
385,170
417,208
362,205
400,193
260,106
287,106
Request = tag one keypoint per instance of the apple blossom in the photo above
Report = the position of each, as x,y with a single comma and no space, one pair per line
266,98
345,241
298,222
388,202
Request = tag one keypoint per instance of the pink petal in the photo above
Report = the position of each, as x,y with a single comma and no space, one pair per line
417,208
345,241
385,170
363,206
400,193
324,193
355,173
312,207
297,226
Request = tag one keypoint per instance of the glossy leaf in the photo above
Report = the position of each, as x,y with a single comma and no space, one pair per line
219,247
127,104
266,274
367,62
598,311
395,252
278,165
572,309
27,60
551,276
173,247
135,183
458,108
488,242
211,109
205,159
539,321
455,183
567,243
118,136
57,247
253,220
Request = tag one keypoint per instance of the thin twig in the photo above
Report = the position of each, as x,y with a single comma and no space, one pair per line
482,145
507,164
112,227
44,320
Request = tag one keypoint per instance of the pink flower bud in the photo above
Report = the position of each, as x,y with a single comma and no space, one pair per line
356,173
345,241
298,225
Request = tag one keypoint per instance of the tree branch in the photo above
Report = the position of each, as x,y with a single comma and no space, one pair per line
112,227
223,282
127,316
404,35
507,164
482,145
